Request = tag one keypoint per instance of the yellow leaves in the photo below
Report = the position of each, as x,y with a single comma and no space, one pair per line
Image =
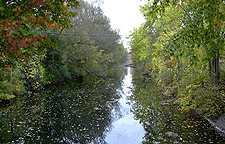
173,60
7,96
51,25
199,71
154,54
178,9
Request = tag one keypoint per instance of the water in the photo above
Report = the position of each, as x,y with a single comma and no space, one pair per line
126,130
164,123
99,113
73,113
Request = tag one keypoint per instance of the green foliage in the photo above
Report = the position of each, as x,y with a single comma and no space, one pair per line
6,89
22,44
19,18
54,61
50,50
83,59
197,92
87,50
183,57
11,84
92,22
33,73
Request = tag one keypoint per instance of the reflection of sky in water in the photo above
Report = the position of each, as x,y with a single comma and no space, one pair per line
126,130
99,113
65,113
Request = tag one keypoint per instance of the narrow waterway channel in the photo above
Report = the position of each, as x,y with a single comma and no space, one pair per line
100,113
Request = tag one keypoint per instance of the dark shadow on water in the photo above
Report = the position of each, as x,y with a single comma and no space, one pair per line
74,113
166,124
65,113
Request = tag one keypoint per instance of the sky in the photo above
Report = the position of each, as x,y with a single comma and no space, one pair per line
124,15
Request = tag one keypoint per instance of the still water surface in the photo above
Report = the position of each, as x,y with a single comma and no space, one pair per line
126,130
98,113
73,113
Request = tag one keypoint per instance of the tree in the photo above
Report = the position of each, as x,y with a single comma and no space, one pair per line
20,21
186,52
202,26
91,47
23,41
92,22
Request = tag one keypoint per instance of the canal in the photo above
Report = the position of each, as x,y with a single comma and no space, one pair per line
113,111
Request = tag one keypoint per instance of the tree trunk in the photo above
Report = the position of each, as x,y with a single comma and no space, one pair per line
217,57
210,68
178,70
216,68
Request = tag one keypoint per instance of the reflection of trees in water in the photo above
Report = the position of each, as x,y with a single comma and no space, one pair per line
65,114
165,124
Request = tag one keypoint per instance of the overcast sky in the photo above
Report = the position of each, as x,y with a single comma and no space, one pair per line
124,14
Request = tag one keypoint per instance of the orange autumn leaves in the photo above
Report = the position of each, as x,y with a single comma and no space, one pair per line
15,38
11,40
21,22
12,43
51,25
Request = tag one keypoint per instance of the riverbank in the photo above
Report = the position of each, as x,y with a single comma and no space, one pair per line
218,124
81,113
163,121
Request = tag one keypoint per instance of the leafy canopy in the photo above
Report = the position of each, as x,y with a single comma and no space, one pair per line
21,19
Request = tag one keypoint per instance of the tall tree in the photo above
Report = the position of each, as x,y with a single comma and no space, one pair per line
92,21
202,26
91,47
188,48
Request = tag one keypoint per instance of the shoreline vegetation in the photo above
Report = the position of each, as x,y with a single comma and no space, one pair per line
56,46
180,51
184,57
217,122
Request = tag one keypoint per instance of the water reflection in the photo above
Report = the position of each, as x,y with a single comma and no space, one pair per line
126,130
99,113
164,123
66,113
